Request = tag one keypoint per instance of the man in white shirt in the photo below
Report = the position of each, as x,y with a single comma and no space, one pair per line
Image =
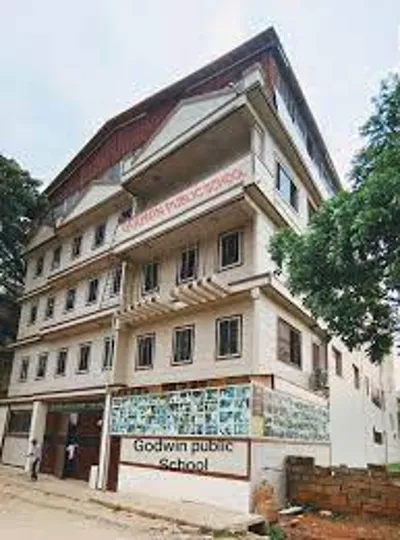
35,454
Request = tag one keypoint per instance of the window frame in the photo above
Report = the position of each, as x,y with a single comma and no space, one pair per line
96,243
239,262
282,168
66,308
56,262
96,297
25,361
88,345
176,330
108,365
297,332
57,373
338,355
141,338
114,279
75,254
34,308
179,279
41,356
154,264
39,267
46,314
239,318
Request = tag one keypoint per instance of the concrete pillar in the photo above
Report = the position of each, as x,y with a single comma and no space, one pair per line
38,426
104,445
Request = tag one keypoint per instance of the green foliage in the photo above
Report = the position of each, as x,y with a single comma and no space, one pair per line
275,532
346,267
20,204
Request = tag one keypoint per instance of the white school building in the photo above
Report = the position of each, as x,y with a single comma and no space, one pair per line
156,335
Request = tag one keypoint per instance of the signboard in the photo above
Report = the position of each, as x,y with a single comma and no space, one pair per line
233,175
71,407
221,457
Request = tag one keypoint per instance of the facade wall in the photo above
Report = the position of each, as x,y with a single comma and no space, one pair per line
72,380
15,451
3,423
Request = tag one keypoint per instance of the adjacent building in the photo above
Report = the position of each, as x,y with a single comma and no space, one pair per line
159,348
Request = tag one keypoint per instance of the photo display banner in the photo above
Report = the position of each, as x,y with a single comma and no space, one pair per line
206,411
225,457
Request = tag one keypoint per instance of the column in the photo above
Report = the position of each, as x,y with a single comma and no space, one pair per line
38,426
104,445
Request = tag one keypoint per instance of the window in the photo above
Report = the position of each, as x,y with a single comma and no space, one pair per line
116,282
76,247
367,385
39,266
108,352
376,397
84,357
61,365
33,314
319,359
93,290
188,264
229,339
183,344
49,307
230,250
19,422
149,277
99,235
289,344
377,436
145,351
286,187
356,377
70,300
41,366
23,373
125,215
55,263
338,362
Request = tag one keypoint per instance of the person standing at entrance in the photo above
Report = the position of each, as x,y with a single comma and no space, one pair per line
35,455
70,459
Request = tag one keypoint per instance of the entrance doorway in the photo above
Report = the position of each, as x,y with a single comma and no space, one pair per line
72,442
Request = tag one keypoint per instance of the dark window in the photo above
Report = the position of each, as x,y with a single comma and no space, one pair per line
70,299
99,235
183,344
125,215
150,277
39,266
108,353
229,336
229,250
50,307
93,290
55,263
84,357
76,246
188,264
41,366
145,351
338,362
356,376
319,357
376,397
377,436
33,314
61,361
19,422
23,373
289,343
286,187
116,281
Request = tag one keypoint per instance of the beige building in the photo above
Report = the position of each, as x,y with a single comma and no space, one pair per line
157,337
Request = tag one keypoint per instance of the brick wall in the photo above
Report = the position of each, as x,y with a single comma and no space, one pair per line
343,489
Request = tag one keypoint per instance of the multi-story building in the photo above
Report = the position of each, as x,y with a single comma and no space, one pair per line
157,338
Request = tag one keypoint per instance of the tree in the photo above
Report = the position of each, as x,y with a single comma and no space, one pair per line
346,266
20,204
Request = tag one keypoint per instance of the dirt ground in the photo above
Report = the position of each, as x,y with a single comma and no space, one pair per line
315,527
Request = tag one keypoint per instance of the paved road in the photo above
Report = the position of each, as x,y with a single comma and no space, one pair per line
26,520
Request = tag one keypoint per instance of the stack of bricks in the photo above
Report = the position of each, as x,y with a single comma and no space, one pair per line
343,489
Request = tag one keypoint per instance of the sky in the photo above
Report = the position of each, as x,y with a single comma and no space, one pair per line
67,67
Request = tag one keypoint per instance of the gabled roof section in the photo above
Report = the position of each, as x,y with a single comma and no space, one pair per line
188,113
